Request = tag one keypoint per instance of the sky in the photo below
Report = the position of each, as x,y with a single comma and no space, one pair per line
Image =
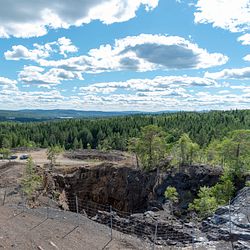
125,55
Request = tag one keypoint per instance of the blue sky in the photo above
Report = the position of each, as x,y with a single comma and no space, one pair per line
117,55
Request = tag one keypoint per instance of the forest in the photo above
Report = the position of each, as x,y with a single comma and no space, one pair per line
217,138
114,132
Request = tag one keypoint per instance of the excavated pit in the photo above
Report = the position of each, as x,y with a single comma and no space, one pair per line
123,188
127,194
132,190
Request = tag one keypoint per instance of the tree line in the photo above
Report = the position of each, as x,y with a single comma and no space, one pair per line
114,133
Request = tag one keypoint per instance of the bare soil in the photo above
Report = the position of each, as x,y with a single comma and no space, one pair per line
26,231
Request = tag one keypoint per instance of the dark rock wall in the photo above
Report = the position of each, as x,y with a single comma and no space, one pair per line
123,188
133,190
188,180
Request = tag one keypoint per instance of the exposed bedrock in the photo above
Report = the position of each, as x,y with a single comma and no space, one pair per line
133,190
126,189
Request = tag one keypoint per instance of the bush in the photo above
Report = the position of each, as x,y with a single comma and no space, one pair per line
31,180
205,204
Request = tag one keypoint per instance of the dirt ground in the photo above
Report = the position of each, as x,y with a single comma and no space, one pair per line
26,231
11,171
40,157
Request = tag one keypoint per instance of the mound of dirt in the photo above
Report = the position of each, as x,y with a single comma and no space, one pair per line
113,156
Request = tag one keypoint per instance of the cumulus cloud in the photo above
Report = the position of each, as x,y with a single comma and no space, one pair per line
240,73
244,39
247,58
62,46
25,18
159,85
66,46
172,97
37,75
21,52
232,15
6,83
145,52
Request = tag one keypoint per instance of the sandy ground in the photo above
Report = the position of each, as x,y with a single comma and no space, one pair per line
40,158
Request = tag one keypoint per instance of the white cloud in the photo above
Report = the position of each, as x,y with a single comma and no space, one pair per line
63,46
174,97
145,52
20,52
244,39
247,58
27,18
232,15
241,73
66,46
7,84
37,75
245,89
159,85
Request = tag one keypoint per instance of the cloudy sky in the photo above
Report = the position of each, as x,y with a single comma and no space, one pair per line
114,55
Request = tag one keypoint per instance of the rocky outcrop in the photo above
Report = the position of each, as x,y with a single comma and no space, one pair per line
133,190
149,226
232,222
188,180
123,188
130,192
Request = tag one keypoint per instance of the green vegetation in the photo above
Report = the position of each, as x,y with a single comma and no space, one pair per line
31,180
150,146
215,138
202,128
52,153
171,194
206,203
209,198
185,150
5,152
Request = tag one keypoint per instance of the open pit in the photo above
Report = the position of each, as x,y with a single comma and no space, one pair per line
115,180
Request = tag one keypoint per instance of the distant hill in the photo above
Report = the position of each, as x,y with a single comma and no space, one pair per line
30,115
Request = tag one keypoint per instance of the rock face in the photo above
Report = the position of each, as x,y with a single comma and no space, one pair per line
123,188
232,222
188,180
149,226
133,190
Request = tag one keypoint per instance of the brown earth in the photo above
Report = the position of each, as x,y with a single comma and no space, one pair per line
17,233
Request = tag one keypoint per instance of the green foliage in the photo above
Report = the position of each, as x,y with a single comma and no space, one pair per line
5,143
171,194
5,152
247,184
209,198
232,151
52,153
201,127
31,181
205,204
185,151
150,146
224,190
